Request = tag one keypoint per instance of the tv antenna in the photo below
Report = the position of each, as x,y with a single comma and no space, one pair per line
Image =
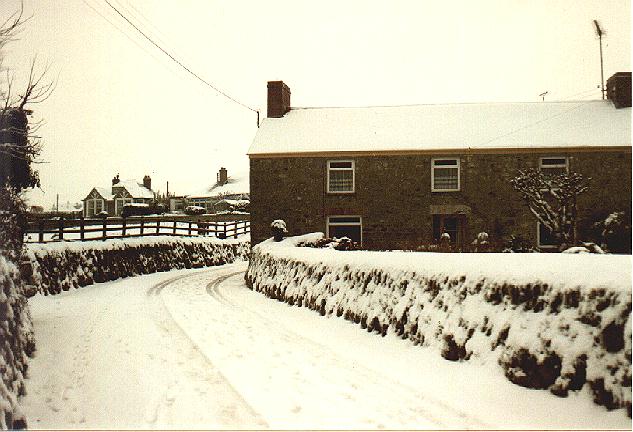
542,95
600,33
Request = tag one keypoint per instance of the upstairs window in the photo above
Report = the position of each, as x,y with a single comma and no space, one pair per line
340,176
444,175
554,165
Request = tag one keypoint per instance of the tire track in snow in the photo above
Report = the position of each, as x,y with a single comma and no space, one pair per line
435,414
155,291
213,289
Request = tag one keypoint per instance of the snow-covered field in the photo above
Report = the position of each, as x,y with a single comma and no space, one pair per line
198,349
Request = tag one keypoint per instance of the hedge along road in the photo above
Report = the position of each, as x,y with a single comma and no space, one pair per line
197,349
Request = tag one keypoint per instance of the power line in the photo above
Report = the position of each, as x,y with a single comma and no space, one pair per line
192,73
130,38
583,93
575,107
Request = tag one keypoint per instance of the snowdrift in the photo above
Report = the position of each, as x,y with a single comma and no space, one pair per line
551,321
16,344
58,267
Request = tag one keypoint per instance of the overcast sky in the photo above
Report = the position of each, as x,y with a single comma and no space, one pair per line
121,106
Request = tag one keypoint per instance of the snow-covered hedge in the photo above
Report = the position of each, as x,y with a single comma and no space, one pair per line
60,266
552,321
16,344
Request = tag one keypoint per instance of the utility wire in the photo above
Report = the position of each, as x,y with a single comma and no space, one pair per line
583,93
195,75
526,126
130,38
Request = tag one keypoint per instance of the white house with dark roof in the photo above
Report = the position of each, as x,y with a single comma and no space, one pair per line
401,176
111,200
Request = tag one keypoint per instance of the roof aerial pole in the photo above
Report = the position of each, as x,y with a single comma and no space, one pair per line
600,32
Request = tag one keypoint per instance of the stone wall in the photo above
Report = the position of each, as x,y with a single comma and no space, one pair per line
393,194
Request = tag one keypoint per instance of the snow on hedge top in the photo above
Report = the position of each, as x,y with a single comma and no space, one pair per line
445,127
560,270
126,242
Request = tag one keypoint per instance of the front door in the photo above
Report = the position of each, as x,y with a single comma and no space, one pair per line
454,225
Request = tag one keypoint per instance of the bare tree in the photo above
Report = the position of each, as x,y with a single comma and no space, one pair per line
20,145
552,199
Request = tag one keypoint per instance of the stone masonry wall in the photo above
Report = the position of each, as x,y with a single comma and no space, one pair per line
393,194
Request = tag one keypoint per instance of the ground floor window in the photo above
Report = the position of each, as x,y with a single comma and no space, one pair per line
94,207
345,226
545,237
119,203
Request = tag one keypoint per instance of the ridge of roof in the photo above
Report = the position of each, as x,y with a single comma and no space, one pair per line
451,104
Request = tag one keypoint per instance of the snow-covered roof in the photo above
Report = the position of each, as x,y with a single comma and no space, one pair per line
136,189
106,193
237,184
445,127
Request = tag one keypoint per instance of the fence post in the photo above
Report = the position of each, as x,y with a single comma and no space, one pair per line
124,229
105,232
199,232
41,236
224,234
235,227
142,225
174,227
189,230
61,228
82,234
157,226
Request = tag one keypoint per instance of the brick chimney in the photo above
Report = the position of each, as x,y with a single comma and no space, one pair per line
278,99
619,89
147,182
222,176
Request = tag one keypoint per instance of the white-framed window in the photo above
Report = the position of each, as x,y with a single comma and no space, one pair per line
345,226
94,206
445,175
340,176
554,165
119,203
544,237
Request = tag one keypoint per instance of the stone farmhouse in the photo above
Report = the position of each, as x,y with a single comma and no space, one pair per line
400,176
112,200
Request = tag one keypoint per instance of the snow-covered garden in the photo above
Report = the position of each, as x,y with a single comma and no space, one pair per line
560,322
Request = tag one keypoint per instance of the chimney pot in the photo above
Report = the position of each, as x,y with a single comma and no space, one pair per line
115,180
147,182
222,176
278,99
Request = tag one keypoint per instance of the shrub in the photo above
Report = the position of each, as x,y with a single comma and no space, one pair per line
616,232
278,228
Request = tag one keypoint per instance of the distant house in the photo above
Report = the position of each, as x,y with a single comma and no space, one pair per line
111,200
400,177
232,188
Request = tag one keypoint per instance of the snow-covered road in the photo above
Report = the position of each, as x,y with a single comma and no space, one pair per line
197,349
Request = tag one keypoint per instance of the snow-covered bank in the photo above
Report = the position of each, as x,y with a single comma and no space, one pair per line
60,266
16,344
557,322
